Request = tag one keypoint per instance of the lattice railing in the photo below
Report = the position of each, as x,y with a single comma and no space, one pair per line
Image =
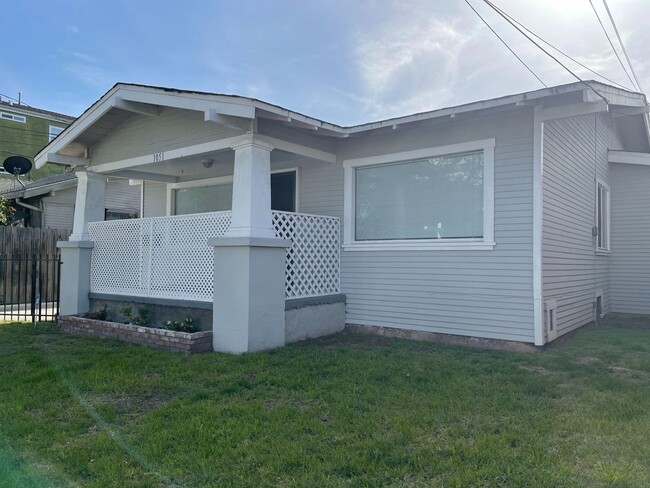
312,266
163,257
168,257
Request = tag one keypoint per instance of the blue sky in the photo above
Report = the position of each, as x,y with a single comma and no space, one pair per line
343,61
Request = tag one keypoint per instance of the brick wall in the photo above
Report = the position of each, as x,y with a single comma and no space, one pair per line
169,340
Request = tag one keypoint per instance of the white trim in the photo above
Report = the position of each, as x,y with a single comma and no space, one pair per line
421,245
485,243
601,183
13,117
538,222
628,157
599,294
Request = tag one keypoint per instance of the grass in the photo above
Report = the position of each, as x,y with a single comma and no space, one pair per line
342,411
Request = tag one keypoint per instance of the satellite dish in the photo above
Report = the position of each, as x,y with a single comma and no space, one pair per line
17,165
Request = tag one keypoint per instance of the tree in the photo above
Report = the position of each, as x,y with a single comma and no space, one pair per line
6,211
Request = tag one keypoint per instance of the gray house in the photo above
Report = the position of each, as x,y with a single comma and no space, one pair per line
519,218
49,202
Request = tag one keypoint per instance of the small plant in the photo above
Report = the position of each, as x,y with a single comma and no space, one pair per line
99,314
186,325
142,319
127,312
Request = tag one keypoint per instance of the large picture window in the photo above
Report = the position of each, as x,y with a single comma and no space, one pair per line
432,198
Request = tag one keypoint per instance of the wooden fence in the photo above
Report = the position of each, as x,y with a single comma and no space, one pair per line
29,272
27,242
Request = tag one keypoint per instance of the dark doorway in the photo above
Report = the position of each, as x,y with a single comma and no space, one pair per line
283,191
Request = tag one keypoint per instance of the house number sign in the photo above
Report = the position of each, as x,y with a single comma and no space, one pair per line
158,157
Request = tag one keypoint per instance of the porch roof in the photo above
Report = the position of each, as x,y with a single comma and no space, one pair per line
242,114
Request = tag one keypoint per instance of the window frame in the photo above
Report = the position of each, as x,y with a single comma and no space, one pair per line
349,211
51,136
13,117
600,184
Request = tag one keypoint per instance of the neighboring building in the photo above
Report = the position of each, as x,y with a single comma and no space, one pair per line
25,130
519,218
49,202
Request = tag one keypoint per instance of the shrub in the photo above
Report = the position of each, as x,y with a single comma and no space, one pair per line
99,314
142,319
186,325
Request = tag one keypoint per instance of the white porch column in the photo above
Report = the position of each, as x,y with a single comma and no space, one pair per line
76,253
251,191
89,205
249,261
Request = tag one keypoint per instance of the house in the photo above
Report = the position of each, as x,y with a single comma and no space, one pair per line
25,131
49,202
519,218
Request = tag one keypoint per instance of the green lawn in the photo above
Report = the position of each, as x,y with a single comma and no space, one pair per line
343,411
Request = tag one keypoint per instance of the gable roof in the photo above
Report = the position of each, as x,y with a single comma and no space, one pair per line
40,187
145,98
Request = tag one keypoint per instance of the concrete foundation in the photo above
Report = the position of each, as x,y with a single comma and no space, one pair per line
314,317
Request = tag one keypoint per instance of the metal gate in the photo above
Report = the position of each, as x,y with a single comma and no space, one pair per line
29,288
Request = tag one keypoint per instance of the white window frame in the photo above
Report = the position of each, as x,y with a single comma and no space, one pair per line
484,243
52,135
16,118
608,233
220,180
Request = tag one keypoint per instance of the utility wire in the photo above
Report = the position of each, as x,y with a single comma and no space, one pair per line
620,41
611,43
560,51
505,44
497,10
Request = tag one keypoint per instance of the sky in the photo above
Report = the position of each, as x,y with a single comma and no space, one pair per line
343,61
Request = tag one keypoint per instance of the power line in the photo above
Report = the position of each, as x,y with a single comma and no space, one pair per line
611,43
620,41
506,44
559,50
497,10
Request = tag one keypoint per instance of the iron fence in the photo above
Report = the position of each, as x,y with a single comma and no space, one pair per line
29,288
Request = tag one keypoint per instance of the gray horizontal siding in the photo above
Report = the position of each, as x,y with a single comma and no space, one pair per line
122,196
474,293
630,261
575,154
142,134
58,215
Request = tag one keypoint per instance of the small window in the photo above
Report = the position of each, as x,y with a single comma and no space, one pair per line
602,217
54,131
119,215
16,118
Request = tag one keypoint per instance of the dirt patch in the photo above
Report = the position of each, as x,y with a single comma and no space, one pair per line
587,360
535,369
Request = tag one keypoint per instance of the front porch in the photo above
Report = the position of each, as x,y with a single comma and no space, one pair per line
170,258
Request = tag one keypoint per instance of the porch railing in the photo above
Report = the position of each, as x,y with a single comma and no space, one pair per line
168,257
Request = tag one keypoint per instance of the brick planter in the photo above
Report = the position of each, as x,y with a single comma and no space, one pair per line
196,342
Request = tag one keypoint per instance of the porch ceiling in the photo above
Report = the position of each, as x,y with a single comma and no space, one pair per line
193,168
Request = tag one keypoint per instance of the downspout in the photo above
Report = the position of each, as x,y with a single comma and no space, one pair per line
538,222
27,205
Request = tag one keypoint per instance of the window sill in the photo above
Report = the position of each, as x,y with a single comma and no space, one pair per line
603,252
420,246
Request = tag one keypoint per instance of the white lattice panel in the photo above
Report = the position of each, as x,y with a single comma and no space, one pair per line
182,262
120,258
312,267
164,257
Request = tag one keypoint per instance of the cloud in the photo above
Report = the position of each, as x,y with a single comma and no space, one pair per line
411,65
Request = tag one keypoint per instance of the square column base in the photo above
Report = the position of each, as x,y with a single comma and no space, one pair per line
75,276
249,294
